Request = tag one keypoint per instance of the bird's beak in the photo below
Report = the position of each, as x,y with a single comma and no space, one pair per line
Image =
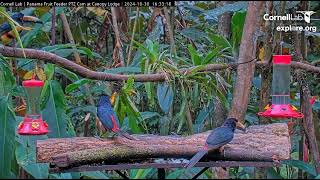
31,19
241,126
113,98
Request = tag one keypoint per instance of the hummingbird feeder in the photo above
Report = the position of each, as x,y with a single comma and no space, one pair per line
32,123
281,107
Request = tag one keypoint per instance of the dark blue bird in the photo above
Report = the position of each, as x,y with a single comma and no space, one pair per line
109,118
217,139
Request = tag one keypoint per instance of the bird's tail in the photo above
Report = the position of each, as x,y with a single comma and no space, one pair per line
126,135
196,158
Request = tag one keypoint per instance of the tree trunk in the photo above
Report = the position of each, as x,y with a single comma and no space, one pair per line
260,142
308,125
245,71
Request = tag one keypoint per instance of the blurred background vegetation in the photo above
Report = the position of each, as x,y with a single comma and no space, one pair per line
152,40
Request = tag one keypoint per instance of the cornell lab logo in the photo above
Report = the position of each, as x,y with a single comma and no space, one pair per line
303,15
307,15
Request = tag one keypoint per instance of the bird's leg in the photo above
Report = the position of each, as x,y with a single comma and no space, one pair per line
221,149
101,137
98,137
114,135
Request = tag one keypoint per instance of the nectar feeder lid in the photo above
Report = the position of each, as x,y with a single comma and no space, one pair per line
282,59
33,83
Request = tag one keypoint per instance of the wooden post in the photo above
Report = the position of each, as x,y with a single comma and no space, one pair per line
259,143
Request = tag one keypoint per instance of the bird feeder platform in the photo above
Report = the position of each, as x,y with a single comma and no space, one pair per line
257,147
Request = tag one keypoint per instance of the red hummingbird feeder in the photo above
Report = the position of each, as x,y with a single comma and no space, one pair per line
32,123
281,107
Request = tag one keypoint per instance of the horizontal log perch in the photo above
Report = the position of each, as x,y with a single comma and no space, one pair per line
87,73
259,143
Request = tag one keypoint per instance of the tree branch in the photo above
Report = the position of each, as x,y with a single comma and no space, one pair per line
87,73
255,144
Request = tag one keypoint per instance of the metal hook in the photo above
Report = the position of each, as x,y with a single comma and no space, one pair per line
281,46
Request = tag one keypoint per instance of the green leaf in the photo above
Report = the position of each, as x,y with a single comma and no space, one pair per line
272,174
94,175
237,23
133,115
216,12
49,70
195,10
65,50
211,55
85,108
301,165
181,115
202,116
26,157
88,52
76,85
7,80
165,96
252,118
148,85
176,174
220,41
142,173
54,110
153,36
148,115
56,47
193,33
68,74
7,136
164,125
196,60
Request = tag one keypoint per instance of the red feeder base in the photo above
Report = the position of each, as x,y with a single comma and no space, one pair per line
31,126
281,111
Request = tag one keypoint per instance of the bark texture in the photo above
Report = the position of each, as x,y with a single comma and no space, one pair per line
245,71
260,142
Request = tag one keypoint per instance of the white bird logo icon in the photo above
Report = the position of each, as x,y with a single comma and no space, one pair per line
307,15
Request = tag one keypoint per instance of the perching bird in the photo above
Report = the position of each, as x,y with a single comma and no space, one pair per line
7,35
217,139
109,118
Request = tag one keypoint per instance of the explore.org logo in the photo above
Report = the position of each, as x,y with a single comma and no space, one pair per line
301,16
